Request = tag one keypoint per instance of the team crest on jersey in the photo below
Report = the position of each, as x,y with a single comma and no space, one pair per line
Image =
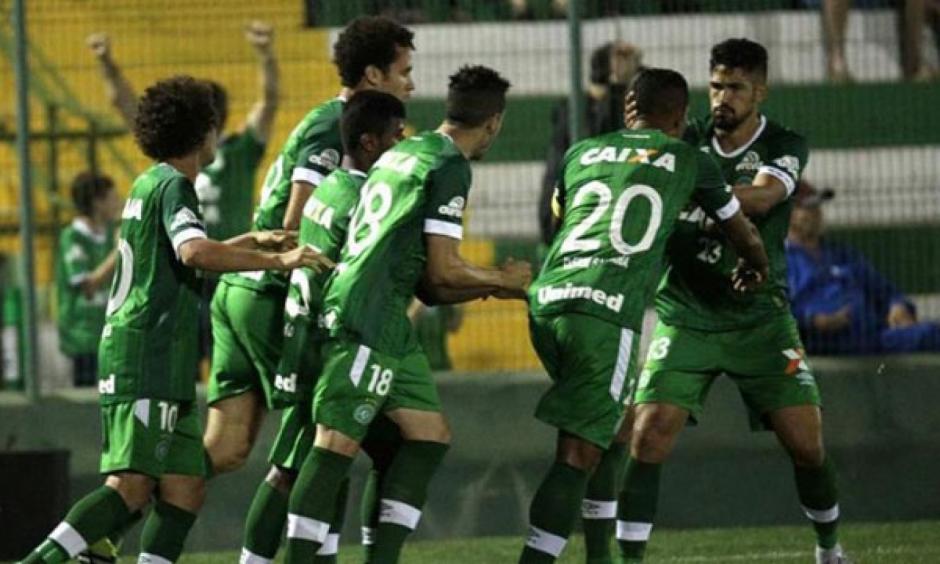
75,253
454,208
790,164
364,413
184,217
163,448
328,159
750,163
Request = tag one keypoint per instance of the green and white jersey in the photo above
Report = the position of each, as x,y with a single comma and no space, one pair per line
226,187
620,194
418,187
324,227
149,346
313,150
80,319
696,292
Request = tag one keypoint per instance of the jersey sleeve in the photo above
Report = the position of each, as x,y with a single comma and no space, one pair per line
786,160
447,187
252,148
319,154
180,213
76,261
712,193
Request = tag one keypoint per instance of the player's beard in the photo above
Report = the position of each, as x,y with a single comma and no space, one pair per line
727,120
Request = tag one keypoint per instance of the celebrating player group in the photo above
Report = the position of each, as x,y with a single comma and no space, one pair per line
355,222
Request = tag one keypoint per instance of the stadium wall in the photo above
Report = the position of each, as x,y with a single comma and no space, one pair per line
882,426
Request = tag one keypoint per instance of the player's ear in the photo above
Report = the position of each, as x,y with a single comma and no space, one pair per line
494,123
373,75
760,91
369,142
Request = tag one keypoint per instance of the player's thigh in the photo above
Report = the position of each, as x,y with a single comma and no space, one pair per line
152,437
233,423
680,367
769,366
799,430
590,362
294,438
232,372
352,388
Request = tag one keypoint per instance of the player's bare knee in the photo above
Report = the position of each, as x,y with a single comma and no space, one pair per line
230,456
335,441
809,455
185,492
135,489
652,438
281,479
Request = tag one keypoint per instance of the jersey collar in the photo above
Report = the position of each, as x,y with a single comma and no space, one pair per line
742,148
81,225
356,172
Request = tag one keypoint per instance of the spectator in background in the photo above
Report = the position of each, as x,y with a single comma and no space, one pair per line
613,65
84,266
912,14
842,305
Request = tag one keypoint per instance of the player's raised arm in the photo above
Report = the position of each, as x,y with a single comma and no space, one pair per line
450,279
775,180
119,90
261,117
206,254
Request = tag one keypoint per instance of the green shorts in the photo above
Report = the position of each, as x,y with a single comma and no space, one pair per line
294,437
590,362
299,364
152,437
767,363
357,383
247,335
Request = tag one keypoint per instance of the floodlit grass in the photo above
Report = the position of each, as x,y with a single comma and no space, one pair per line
882,543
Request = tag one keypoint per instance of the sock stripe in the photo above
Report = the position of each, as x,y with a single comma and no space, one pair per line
633,531
330,546
546,542
149,558
249,557
597,509
822,515
399,513
305,528
69,539
368,536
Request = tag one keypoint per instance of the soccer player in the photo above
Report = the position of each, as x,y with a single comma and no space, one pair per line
618,199
372,53
371,123
147,357
84,266
706,329
403,240
225,187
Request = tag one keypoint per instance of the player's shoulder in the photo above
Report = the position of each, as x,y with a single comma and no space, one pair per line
776,132
322,118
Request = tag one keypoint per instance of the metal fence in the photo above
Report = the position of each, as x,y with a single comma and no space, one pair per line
872,123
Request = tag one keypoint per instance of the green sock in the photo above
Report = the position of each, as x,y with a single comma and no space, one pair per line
599,510
636,508
553,513
369,510
404,492
92,518
381,444
265,523
819,497
312,503
165,531
328,550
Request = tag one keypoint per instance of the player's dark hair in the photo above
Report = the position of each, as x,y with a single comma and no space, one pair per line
368,40
369,111
173,117
88,187
219,102
740,53
475,94
659,92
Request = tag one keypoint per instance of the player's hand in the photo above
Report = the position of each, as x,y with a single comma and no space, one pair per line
100,45
900,316
276,240
260,35
744,278
630,113
304,256
517,275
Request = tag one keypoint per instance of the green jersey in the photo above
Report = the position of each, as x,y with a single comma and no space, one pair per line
312,151
324,226
621,194
418,187
696,292
149,346
80,318
225,188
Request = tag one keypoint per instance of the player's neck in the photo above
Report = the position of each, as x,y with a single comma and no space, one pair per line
346,93
731,141
465,139
355,162
94,222
188,165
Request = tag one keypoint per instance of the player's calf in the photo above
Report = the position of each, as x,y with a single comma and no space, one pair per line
231,431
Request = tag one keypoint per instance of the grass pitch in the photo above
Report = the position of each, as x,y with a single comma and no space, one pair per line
878,543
